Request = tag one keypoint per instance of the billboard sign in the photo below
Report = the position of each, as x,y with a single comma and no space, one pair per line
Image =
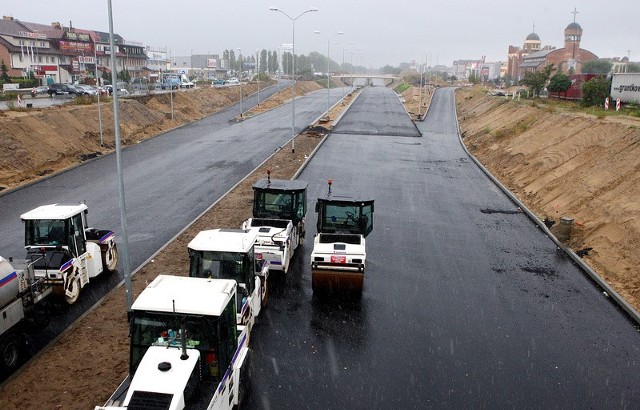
626,87
76,47
212,63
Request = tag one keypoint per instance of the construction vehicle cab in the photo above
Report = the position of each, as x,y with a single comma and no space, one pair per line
65,251
339,251
186,348
230,254
279,209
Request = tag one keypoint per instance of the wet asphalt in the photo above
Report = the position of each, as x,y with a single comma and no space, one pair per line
466,302
169,181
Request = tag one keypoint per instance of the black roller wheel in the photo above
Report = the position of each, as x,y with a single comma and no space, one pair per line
11,350
110,259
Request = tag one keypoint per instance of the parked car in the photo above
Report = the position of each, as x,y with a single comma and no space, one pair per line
233,80
88,90
218,81
59,89
39,90
76,89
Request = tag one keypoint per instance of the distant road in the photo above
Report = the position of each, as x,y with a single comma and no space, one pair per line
466,303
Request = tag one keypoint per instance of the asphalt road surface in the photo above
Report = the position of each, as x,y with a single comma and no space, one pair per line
169,181
466,303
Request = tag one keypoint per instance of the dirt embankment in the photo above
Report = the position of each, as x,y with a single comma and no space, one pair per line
565,164
416,100
38,142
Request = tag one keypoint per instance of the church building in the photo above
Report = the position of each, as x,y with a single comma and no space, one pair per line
532,57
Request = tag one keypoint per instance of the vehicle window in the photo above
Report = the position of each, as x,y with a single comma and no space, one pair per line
46,232
78,234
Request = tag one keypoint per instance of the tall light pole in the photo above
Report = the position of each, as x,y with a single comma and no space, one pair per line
240,57
123,215
95,65
344,46
328,60
258,73
293,55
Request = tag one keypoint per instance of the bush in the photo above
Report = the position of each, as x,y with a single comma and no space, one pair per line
595,91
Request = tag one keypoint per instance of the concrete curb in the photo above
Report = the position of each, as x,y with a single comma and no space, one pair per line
428,108
607,289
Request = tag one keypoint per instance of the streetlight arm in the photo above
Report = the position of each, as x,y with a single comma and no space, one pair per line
293,54
291,18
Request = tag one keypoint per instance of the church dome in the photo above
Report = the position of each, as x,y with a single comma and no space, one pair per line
533,37
574,26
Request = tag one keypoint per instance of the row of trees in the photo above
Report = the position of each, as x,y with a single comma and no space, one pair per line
269,62
594,91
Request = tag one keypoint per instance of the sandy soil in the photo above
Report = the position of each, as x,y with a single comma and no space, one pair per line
87,376
566,164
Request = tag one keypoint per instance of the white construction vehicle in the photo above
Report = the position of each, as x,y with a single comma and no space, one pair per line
187,351
65,251
279,209
20,295
339,251
230,254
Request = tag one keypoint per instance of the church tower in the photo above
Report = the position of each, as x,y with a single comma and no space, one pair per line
532,43
572,36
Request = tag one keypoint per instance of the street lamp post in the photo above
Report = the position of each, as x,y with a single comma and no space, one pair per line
293,55
123,213
258,73
95,65
240,57
328,60
344,46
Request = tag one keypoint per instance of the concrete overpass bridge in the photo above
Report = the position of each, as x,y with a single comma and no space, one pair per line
366,79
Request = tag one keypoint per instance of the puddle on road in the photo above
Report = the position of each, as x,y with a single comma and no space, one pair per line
501,211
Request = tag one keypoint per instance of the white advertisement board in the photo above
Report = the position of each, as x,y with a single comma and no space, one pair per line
626,87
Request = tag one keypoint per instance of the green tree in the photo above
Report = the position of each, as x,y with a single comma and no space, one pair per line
4,75
274,64
225,57
263,61
595,91
633,68
473,78
508,80
390,70
598,66
537,79
233,64
411,77
124,75
287,63
559,83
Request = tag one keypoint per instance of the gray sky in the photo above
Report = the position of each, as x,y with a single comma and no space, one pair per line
385,32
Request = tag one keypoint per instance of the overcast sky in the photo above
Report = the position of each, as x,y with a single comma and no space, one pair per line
384,31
